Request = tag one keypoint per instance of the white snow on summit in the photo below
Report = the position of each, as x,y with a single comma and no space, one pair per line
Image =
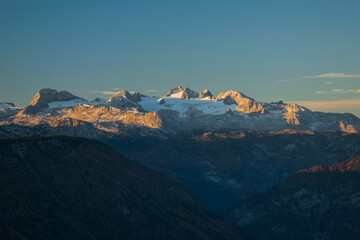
67,103
206,105
176,94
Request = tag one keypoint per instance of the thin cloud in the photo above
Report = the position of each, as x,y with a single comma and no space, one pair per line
338,90
116,88
152,90
334,75
355,91
325,75
349,105
345,91
104,92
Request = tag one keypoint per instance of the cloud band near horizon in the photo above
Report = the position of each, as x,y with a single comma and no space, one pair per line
349,105
334,75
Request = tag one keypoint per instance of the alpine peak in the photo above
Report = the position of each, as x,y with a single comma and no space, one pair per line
187,93
45,96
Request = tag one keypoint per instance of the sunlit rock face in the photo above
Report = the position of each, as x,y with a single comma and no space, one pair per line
187,93
291,115
206,94
346,127
45,96
125,101
244,103
181,110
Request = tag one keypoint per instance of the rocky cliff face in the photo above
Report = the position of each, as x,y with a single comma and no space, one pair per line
322,202
187,93
125,101
45,96
244,103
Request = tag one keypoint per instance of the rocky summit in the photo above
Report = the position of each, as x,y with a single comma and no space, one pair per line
181,110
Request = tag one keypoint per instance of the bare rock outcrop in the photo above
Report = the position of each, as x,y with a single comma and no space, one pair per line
243,102
187,93
291,115
206,94
344,127
45,96
125,101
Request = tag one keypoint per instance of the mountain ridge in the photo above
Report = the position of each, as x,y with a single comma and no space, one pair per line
181,110
58,187
321,202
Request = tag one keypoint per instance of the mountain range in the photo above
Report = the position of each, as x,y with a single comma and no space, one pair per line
182,110
217,146
231,152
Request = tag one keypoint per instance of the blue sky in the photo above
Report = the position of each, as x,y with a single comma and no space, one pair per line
297,51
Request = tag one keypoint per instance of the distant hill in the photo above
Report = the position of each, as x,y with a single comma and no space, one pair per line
75,188
318,203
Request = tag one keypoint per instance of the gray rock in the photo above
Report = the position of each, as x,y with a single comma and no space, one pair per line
206,93
6,104
125,101
45,96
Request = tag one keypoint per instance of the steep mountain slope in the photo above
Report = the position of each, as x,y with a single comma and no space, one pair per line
221,168
195,136
182,110
318,203
75,188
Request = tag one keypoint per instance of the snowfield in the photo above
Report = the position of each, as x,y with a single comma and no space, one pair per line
67,103
206,105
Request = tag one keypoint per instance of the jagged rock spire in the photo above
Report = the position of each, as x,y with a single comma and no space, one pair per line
187,93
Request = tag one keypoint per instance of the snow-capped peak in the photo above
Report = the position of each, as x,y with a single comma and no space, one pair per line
187,93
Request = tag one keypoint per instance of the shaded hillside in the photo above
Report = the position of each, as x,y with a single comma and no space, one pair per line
221,168
318,203
75,188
